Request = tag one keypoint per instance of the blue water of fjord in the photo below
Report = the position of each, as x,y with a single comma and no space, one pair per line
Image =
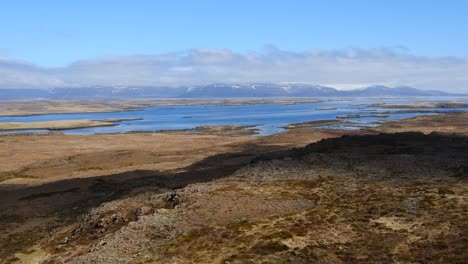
268,118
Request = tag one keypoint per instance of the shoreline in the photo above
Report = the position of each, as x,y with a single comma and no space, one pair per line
448,104
446,123
51,107
9,128
61,125
45,107
53,125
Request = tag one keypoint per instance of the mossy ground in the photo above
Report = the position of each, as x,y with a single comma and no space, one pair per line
346,225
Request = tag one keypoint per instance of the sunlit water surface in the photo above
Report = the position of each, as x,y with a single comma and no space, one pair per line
267,118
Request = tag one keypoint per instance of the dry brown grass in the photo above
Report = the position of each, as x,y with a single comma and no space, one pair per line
54,125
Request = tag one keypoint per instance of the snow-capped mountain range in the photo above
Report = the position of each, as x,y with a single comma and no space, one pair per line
259,90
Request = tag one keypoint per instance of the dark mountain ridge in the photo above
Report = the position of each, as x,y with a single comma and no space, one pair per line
259,90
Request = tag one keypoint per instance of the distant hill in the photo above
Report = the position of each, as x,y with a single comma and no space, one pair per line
262,90
380,90
259,90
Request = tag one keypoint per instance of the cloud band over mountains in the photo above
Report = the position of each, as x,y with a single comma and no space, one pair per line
346,68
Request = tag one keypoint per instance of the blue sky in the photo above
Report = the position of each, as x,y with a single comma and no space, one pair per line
56,33
340,43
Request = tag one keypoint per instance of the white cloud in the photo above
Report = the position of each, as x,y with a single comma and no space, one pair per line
339,68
